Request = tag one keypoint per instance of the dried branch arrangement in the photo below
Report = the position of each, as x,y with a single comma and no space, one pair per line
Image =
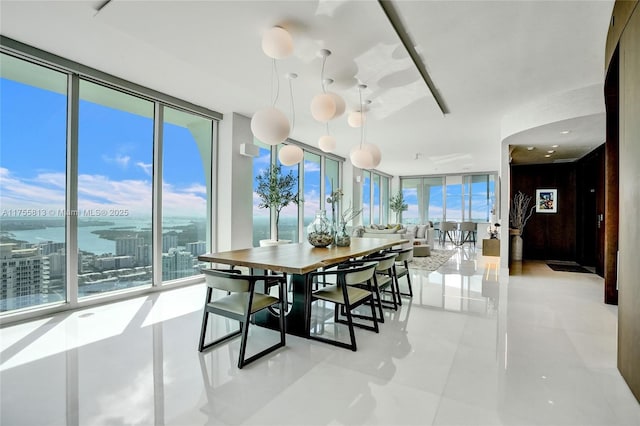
520,212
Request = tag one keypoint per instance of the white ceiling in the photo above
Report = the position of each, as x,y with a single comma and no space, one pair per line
486,58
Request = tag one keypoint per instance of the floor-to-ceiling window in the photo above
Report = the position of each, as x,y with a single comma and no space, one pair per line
433,199
261,216
376,199
331,182
479,196
410,190
82,179
115,158
366,197
311,193
453,198
186,171
33,128
384,197
316,176
288,222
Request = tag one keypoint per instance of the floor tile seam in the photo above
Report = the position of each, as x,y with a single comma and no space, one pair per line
448,376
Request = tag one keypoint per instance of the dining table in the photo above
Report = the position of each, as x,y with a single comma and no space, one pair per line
297,260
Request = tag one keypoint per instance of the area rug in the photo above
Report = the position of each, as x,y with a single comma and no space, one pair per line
433,262
563,267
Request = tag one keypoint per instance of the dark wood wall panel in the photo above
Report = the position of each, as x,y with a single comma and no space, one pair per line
549,236
629,199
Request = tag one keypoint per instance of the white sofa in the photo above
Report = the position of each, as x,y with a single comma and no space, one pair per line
416,234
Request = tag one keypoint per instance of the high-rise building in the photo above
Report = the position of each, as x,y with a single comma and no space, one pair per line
197,248
169,241
113,262
24,277
127,246
143,255
176,264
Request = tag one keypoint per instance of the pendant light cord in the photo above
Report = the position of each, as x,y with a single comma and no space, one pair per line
274,75
293,108
361,118
324,60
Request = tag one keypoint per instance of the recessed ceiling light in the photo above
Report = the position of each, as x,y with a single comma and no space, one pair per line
551,151
565,132
529,148
548,155
555,146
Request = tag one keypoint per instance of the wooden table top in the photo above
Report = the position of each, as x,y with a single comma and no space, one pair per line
299,258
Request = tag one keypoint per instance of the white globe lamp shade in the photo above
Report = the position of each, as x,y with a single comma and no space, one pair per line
290,155
361,158
356,119
340,105
277,43
323,107
327,143
270,125
375,154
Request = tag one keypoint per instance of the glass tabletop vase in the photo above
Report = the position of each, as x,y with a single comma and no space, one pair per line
320,231
342,238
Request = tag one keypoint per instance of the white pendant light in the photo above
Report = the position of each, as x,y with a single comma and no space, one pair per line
270,125
376,155
290,155
361,158
327,143
340,105
277,43
355,119
327,105
364,155
323,107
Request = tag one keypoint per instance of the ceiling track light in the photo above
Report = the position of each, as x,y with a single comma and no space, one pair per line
395,21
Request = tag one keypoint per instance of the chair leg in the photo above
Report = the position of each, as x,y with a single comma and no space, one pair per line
283,310
347,306
205,319
406,266
203,330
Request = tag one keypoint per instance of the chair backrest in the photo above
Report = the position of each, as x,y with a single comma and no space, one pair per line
385,261
359,274
227,281
448,226
404,254
468,226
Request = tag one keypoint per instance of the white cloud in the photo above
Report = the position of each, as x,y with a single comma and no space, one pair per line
119,160
147,168
311,166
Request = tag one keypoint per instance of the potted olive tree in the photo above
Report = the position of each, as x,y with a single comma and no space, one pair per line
276,191
397,205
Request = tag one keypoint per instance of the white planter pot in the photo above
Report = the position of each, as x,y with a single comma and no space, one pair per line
267,243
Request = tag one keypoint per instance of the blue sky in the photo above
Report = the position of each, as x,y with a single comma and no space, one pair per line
114,159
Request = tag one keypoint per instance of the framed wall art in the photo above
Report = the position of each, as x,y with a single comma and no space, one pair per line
546,201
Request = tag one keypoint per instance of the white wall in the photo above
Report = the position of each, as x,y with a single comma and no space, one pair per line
235,184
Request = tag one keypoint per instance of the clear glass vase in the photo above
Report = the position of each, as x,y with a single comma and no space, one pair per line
320,231
342,239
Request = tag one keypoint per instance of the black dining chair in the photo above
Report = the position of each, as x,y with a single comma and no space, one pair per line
344,293
240,303
385,280
401,268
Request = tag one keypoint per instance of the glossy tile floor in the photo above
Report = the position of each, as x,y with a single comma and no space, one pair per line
469,348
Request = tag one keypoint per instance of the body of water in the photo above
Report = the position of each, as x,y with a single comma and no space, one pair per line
87,240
